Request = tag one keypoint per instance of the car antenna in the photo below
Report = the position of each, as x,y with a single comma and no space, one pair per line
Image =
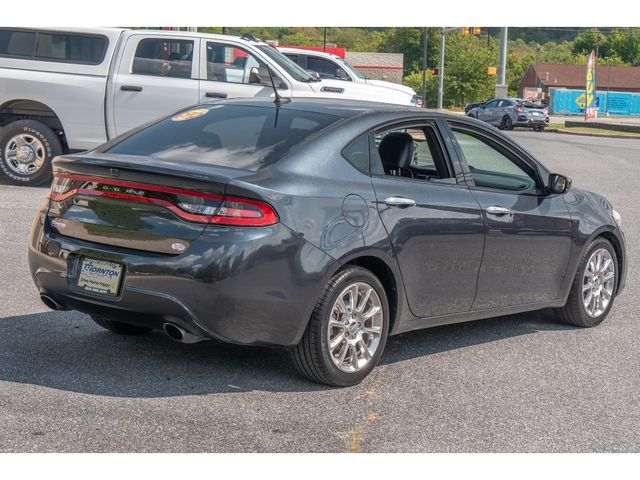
279,100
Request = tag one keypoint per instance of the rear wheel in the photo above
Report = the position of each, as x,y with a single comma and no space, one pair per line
119,327
26,150
507,123
347,331
594,286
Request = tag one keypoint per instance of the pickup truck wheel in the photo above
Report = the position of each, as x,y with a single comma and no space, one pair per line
26,150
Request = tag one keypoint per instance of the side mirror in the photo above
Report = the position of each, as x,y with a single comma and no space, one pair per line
558,183
314,74
254,75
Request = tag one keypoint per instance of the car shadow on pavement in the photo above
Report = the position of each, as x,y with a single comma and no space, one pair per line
66,351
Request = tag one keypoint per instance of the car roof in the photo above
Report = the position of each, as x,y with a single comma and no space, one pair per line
345,108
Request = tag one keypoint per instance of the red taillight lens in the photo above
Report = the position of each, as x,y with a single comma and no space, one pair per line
188,205
244,212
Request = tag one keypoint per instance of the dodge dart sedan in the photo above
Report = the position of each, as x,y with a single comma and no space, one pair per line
319,226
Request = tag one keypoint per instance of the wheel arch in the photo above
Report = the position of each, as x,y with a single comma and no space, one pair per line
385,273
25,109
617,246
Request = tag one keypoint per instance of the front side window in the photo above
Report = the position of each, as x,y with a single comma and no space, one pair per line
490,168
164,58
235,136
326,68
232,64
492,104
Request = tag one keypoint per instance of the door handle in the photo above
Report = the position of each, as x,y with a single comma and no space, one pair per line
131,88
496,210
215,95
399,202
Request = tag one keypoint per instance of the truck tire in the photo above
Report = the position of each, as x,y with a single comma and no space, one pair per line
26,150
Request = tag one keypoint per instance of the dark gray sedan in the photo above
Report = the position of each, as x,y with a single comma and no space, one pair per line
507,113
321,226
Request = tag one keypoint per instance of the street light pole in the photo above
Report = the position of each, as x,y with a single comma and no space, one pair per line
441,68
424,68
501,87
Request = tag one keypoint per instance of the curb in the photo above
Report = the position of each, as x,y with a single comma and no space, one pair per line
564,132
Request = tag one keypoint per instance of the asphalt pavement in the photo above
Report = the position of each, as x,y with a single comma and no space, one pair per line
512,384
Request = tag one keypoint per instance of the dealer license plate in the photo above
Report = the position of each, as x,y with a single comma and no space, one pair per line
99,276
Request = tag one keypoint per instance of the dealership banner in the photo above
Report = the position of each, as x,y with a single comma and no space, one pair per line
590,104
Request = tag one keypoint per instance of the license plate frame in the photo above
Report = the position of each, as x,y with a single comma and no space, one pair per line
99,277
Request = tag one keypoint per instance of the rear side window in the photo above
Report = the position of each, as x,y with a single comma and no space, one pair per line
163,57
236,136
357,153
53,47
17,43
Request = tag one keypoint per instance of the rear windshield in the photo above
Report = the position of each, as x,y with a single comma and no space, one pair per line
235,136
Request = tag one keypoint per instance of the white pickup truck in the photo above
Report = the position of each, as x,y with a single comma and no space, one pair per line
72,89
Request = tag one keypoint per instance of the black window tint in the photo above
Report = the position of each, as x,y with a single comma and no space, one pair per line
70,48
357,153
164,58
17,43
326,68
235,136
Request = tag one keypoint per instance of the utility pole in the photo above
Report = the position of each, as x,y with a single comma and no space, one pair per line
424,68
501,86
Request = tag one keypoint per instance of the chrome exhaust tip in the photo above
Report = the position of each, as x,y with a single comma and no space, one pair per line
51,303
179,334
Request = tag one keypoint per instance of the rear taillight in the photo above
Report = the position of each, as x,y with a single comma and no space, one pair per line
186,204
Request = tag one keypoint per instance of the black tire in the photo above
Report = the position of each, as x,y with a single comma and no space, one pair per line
574,312
311,356
119,327
506,123
51,146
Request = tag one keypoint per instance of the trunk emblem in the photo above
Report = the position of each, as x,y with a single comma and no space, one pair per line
114,172
178,247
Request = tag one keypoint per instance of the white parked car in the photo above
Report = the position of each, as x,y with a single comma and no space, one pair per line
71,89
332,67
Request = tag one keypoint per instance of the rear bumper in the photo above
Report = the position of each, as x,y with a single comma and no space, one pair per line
250,286
530,121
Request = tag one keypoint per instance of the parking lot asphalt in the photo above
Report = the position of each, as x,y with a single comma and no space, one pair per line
521,383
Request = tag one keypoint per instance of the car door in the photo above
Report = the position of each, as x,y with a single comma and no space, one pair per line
230,70
157,75
528,232
434,223
487,113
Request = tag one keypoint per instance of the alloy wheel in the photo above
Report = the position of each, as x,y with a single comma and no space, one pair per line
598,282
355,327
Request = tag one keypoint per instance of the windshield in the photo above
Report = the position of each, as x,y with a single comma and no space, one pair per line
235,136
347,66
296,71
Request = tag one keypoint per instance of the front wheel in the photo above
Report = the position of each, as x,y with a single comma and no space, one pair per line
347,331
594,287
26,150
